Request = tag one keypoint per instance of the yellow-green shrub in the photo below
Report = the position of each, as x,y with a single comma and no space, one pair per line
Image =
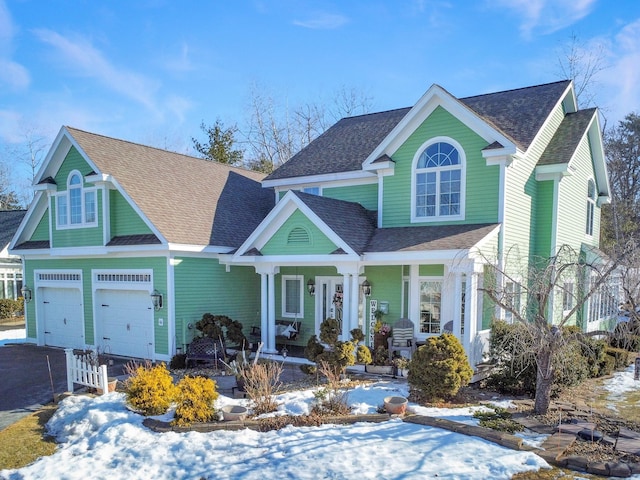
195,400
150,389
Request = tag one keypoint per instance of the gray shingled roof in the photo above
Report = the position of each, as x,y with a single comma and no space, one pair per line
565,141
357,226
444,237
343,147
9,223
180,194
519,114
350,220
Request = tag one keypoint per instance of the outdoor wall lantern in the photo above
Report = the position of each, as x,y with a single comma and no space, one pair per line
26,293
366,288
156,299
311,287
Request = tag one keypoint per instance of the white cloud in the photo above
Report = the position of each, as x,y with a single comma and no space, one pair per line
9,127
323,21
90,62
179,106
545,16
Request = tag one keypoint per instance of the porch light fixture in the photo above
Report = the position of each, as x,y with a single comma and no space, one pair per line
311,287
26,293
156,299
366,288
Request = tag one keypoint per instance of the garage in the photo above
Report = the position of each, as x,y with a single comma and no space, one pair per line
124,322
63,319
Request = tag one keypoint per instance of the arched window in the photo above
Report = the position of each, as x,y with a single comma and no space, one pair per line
76,206
591,206
438,182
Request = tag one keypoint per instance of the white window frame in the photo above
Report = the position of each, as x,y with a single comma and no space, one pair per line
421,280
300,280
568,296
415,171
514,294
64,222
591,206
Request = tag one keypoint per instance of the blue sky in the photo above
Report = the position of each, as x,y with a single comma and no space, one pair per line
155,69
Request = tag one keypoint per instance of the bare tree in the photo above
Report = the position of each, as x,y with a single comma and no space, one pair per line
8,197
582,64
566,279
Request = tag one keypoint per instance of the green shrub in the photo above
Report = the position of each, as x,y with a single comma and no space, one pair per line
498,419
515,370
363,355
195,397
571,367
221,326
626,335
439,368
329,331
594,352
10,308
178,361
620,356
313,349
150,389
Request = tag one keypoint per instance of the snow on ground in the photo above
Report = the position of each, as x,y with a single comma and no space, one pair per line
620,385
12,336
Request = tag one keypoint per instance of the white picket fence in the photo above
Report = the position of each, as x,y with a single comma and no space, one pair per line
81,371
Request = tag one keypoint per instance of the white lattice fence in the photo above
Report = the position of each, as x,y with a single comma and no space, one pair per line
83,372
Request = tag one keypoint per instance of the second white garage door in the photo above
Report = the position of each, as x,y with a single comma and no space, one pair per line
124,323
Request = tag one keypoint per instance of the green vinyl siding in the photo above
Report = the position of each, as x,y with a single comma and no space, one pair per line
124,219
365,195
204,286
481,192
42,230
572,195
544,219
431,270
80,236
281,244
386,286
157,264
73,161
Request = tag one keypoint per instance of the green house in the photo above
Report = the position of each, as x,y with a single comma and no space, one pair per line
126,246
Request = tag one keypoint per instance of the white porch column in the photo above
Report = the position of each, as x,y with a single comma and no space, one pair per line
271,319
457,304
355,302
471,310
264,305
414,298
346,306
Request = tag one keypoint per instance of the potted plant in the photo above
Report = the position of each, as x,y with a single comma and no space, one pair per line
380,363
381,331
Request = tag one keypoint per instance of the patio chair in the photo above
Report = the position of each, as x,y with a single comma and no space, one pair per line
402,338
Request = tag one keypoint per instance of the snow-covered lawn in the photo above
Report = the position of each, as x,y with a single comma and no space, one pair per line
100,438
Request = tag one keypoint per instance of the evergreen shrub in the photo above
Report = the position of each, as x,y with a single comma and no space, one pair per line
439,368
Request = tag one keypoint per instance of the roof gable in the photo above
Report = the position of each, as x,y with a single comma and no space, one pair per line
178,195
9,222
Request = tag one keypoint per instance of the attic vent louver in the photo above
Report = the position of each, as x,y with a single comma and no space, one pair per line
298,236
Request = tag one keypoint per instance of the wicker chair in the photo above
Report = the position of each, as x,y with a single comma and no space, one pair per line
403,338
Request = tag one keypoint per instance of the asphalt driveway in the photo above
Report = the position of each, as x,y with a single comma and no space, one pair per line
26,384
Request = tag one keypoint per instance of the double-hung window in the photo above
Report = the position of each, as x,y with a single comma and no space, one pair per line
591,206
292,295
77,206
438,182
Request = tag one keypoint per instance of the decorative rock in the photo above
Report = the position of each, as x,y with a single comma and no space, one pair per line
619,469
598,468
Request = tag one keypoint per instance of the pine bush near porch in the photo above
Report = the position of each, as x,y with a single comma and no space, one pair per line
438,369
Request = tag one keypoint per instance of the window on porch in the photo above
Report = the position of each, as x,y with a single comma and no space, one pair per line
430,305
292,296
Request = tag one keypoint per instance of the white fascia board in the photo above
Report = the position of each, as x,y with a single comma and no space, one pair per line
181,247
76,254
38,208
314,179
501,156
552,172
434,97
600,164
388,165
293,260
423,257
45,187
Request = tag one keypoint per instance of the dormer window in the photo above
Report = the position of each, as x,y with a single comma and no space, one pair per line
438,182
76,207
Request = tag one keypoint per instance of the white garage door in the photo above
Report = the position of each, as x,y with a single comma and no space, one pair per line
62,317
125,322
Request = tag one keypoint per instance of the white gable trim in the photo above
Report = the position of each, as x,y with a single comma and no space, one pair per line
277,217
326,179
434,97
36,210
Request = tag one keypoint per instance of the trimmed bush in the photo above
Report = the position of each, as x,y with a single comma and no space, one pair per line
620,356
178,361
439,368
363,355
195,399
514,371
9,308
150,389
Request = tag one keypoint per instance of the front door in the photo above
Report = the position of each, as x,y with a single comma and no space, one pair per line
329,297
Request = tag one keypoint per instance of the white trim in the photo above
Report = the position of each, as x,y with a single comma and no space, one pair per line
463,172
434,97
554,217
325,179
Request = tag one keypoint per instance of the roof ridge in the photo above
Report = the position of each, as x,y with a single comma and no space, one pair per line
138,144
377,113
514,89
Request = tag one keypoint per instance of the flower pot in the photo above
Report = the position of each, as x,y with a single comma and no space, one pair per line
379,340
111,386
234,412
395,405
379,369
